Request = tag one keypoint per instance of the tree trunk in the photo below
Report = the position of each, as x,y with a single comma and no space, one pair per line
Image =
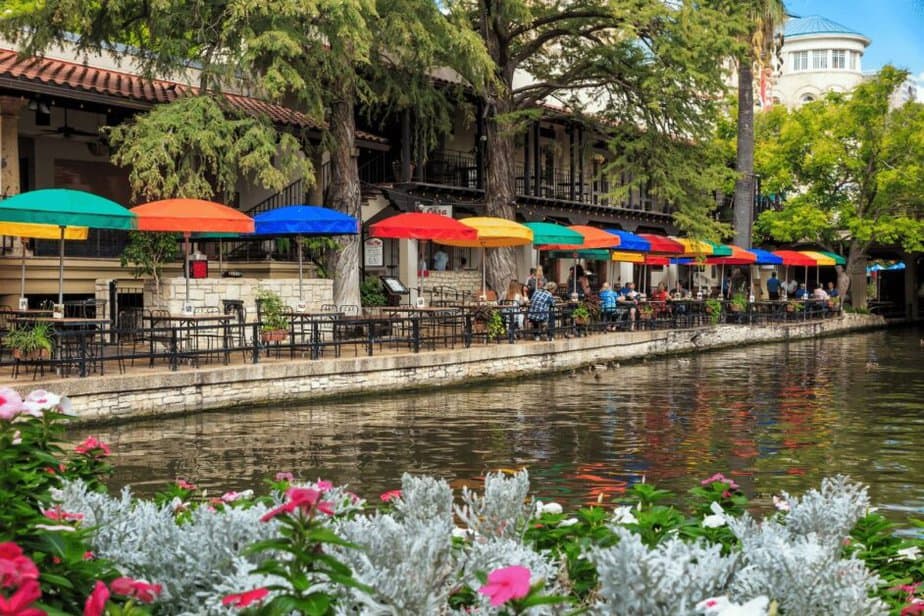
744,164
344,196
499,180
856,273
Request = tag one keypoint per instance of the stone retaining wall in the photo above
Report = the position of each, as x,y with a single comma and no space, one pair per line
210,292
118,397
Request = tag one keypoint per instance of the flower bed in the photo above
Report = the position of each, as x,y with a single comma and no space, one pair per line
66,546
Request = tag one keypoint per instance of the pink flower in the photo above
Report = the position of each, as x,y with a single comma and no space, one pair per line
285,476
390,495
10,403
304,499
184,485
89,555
18,603
96,602
39,401
323,486
915,608
720,478
90,445
60,515
780,503
137,589
506,584
15,568
245,598
229,497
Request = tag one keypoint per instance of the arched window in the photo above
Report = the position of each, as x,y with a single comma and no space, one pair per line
806,98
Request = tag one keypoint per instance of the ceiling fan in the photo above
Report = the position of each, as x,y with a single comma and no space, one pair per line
67,131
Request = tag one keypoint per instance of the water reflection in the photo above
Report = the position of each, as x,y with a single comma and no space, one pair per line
773,417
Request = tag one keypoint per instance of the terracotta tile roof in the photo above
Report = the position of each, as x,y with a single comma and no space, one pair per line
117,84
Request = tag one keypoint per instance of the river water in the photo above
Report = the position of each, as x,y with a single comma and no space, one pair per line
773,417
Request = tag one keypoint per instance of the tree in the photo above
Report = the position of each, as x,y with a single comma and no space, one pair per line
147,252
854,166
644,70
323,57
764,17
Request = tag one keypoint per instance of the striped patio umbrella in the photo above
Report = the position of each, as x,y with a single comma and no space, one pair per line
630,242
661,244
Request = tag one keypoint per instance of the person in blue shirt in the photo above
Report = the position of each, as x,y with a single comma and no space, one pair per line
540,309
801,293
773,287
608,303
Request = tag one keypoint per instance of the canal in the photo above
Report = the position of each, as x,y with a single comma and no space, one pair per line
778,416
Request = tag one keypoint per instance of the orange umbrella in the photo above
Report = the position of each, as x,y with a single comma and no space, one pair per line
188,216
593,238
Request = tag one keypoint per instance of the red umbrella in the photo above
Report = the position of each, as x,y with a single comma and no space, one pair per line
791,257
422,226
662,245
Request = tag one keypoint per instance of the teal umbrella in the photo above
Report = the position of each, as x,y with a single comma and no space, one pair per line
64,208
550,233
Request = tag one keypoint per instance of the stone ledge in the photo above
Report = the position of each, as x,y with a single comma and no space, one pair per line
120,397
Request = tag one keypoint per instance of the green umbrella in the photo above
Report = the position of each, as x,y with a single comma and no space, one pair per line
64,208
550,233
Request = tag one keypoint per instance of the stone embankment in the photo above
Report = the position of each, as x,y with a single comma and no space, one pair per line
127,396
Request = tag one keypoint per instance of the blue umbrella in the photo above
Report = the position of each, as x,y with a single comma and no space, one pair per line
302,220
630,242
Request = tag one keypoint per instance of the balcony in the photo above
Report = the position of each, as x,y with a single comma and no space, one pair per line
458,173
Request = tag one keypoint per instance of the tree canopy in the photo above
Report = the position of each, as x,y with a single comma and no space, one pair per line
852,167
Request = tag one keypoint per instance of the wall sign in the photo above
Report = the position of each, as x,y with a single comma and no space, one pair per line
374,252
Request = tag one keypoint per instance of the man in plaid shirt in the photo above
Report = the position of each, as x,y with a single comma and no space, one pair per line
540,309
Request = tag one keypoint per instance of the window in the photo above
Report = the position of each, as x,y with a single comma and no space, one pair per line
807,98
839,59
800,61
820,59
854,57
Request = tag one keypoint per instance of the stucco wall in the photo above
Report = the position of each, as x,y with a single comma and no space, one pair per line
118,397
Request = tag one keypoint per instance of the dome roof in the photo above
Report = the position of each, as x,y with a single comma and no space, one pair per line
815,24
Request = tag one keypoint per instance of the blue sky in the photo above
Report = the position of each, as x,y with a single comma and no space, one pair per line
896,28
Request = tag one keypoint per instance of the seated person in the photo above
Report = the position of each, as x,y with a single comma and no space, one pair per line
608,303
801,293
832,290
819,293
627,302
514,300
659,298
540,309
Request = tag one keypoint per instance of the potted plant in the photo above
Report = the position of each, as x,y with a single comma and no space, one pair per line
738,303
27,343
494,327
581,314
273,325
645,312
713,309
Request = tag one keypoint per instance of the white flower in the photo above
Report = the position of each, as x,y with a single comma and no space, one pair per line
717,518
17,438
912,553
553,508
568,522
461,533
40,400
781,504
623,515
722,606
56,527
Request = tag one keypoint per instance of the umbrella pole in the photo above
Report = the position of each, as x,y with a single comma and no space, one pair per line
61,268
186,265
484,257
220,264
22,264
298,241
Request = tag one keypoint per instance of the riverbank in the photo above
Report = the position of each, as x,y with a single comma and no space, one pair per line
129,396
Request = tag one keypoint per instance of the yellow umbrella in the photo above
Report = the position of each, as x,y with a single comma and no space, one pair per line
627,257
819,257
492,233
41,232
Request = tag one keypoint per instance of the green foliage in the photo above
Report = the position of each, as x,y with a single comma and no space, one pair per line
371,292
147,252
713,309
32,463
739,302
198,145
851,167
271,311
495,327
30,338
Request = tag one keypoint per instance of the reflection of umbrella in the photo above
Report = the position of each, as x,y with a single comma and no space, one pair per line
422,226
492,233
299,220
35,231
187,216
64,208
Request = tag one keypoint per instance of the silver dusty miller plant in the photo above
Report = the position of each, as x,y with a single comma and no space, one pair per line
504,510
406,557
